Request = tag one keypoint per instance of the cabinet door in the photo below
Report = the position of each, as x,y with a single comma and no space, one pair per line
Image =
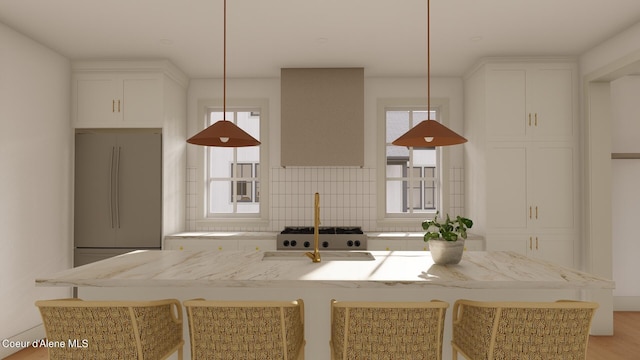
534,102
554,248
551,102
552,184
95,99
506,177
417,245
256,245
506,103
386,245
112,100
516,243
200,244
141,100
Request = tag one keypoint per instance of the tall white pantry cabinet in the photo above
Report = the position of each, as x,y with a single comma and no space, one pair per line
522,162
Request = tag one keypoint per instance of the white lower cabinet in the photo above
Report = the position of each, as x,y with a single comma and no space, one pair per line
219,244
555,248
200,244
257,245
416,243
386,245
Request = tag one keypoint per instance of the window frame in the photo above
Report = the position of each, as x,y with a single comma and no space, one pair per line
259,219
385,219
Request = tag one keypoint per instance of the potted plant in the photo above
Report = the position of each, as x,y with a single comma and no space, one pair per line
446,238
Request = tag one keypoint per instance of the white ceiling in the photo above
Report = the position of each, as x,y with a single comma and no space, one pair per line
386,37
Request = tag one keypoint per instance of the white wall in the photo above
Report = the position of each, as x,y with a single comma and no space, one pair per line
625,130
605,62
348,195
611,51
35,178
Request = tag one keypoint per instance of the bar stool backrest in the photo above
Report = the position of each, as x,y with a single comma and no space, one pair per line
387,330
143,330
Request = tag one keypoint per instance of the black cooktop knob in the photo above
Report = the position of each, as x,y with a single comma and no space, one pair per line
358,243
307,244
325,244
350,243
294,243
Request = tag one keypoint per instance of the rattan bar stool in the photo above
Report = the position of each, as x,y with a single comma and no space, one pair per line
246,329
387,330
143,330
521,330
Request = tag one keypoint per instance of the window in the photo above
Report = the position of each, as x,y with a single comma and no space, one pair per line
246,190
233,174
412,183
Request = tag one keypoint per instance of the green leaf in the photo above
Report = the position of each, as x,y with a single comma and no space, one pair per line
449,230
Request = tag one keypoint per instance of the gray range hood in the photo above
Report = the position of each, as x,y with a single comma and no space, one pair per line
322,120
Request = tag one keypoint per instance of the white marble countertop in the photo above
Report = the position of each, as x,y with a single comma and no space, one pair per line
407,269
410,235
224,235
221,235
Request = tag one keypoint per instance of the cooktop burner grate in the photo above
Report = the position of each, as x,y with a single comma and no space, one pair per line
322,230
330,238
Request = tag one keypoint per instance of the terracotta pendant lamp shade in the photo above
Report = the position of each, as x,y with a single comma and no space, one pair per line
429,133
223,133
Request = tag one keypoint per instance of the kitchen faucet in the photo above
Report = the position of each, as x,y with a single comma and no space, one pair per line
315,255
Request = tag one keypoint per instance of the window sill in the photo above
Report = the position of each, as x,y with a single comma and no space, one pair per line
403,222
230,222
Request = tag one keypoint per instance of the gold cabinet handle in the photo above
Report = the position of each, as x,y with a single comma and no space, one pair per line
529,212
536,243
529,119
113,106
530,243
536,212
118,105
536,119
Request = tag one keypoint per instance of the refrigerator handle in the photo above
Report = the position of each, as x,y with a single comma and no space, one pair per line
117,187
111,185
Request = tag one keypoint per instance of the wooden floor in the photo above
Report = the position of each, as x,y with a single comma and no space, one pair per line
623,345
625,342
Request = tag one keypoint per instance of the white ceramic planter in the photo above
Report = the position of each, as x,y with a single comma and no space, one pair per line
446,252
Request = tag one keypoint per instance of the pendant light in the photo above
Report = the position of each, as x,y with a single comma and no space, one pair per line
429,133
224,133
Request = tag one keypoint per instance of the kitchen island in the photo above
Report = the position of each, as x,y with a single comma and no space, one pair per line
392,276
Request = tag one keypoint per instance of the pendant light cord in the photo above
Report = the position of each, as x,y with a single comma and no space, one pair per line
428,61
224,66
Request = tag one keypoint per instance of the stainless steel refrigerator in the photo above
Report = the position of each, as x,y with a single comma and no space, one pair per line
118,193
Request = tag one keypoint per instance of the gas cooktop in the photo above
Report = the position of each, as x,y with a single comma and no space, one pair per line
330,238
322,230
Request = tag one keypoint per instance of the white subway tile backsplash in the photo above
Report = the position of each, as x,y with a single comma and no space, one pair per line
348,197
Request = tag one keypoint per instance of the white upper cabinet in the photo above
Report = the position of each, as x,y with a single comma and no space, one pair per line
530,101
118,100
126,94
